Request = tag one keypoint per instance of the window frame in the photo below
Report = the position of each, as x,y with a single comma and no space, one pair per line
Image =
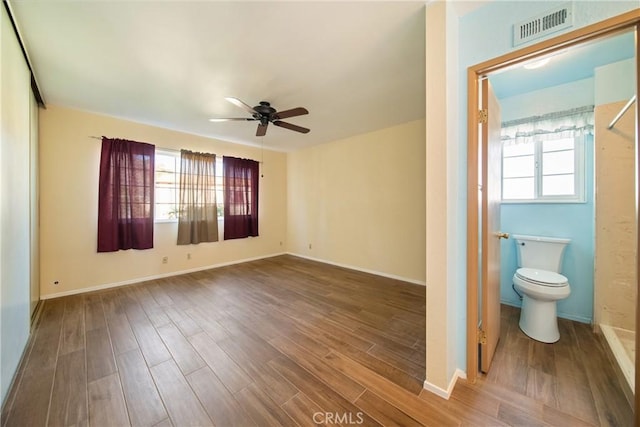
580,159
176,155
219,188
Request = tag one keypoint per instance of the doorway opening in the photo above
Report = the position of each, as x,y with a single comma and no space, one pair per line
480,233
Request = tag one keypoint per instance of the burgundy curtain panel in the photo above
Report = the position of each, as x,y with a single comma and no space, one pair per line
240,197
125,196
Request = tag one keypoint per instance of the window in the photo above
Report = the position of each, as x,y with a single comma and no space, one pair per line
544,170
167,180
219,188
543,157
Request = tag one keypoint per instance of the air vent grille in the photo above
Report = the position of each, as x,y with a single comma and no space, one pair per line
543,24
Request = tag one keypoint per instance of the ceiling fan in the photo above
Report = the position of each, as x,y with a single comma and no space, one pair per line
265,114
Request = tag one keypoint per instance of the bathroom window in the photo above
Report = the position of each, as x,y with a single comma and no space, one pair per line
543,170
543,157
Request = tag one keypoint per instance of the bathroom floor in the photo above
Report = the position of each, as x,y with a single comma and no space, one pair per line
574,375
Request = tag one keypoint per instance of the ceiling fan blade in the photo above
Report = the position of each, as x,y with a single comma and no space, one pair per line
300,111
233,119
262,129
238,103
291,127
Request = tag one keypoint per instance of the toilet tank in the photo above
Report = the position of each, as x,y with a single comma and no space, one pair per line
544,253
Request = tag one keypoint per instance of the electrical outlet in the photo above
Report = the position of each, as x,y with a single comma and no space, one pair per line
56,282
165,259
310,246
189,256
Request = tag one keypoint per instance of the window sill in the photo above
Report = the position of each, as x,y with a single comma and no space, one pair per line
175,221
544,201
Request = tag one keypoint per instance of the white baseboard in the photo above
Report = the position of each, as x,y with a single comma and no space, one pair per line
223,264
364,270
445,394
154,277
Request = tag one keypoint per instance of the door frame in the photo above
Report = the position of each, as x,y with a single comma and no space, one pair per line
623,22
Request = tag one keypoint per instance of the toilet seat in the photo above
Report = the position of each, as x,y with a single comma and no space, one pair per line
540,290
541,277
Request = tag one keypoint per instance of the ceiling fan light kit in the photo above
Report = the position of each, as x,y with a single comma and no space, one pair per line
265,114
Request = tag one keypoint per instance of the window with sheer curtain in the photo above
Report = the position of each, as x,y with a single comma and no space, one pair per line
125,195
197,208
240,197
543,157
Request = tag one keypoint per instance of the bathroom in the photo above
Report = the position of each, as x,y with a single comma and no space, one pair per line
579,90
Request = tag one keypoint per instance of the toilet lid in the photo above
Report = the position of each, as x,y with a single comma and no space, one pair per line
542,277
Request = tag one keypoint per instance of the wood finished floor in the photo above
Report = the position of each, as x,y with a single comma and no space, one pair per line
286,341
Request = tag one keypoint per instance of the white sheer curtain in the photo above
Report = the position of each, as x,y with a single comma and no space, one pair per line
559,125
198,217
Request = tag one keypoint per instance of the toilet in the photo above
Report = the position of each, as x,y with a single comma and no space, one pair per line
540,283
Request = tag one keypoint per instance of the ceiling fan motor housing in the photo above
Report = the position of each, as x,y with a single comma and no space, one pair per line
264,108
264,112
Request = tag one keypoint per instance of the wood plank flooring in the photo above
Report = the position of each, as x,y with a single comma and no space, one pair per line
574,376
286,342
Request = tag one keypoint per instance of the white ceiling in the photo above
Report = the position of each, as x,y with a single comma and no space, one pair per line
569,65
356,66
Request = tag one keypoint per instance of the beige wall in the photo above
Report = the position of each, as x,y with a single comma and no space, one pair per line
441,208
360,202
68,187
615,253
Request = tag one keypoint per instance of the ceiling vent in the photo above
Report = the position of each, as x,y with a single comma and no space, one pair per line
546,23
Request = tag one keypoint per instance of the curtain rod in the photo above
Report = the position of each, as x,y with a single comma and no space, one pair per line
621,113
549,116
158,148
165,149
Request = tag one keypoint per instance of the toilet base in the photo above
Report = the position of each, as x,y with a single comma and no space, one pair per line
538,320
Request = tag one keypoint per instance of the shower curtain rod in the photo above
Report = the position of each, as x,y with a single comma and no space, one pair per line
621,113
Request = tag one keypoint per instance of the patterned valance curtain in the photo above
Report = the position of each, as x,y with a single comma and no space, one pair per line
125,195
240,197
197,212
562,124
